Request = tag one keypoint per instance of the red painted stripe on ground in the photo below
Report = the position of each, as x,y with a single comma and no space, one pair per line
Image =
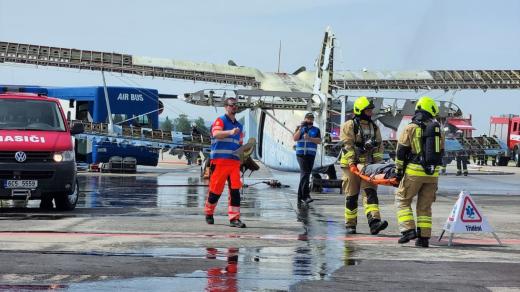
357,238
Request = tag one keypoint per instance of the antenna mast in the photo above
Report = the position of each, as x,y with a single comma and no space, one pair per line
279,55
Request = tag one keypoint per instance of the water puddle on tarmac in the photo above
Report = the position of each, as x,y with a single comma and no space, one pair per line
169,191
238,269
272,268
248,268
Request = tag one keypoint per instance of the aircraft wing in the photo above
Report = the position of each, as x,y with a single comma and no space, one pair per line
251,77
427,80
205,71
154,67
127,64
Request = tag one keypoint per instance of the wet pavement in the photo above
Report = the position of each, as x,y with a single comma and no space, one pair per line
146,231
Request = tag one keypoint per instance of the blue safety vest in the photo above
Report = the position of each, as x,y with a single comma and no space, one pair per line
224,148
307,147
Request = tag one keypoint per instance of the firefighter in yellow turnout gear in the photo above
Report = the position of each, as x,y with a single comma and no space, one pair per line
418,161
362,143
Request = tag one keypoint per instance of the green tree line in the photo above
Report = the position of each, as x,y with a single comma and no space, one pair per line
183,124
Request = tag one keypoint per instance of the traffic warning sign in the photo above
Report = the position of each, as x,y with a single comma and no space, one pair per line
470,212
465,217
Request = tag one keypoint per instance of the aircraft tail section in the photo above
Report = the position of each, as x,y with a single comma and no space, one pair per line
325,65
322,90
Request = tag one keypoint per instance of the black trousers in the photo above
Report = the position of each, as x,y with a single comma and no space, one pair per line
306,162
483,160
462,164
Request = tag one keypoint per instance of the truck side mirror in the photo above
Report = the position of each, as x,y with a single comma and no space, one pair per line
77,129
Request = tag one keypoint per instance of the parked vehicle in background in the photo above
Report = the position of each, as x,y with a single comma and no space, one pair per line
507,129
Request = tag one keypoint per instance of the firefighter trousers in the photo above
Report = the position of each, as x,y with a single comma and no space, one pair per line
425,188
353,185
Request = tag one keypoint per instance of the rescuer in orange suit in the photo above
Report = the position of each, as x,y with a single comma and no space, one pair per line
226,137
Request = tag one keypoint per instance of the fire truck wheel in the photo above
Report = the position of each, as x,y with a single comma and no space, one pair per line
517,157
67,201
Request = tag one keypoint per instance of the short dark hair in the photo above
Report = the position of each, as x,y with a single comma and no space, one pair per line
226,101
309,115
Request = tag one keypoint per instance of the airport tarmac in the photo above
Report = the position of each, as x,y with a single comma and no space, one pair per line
147,231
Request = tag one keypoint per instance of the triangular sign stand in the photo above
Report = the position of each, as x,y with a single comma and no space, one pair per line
465,217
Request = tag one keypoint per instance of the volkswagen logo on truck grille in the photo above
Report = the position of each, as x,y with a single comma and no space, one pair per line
20,156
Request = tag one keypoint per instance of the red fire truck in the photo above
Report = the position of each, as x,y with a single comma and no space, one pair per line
507,129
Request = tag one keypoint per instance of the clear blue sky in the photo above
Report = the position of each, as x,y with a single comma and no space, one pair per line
378,35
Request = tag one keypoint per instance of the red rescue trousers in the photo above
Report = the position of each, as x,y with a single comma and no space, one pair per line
222,171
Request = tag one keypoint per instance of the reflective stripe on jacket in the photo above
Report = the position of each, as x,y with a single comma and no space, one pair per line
351,153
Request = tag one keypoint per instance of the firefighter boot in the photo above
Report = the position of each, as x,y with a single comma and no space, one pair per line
422,242
376,225
237,223
407,236
210,219
351,229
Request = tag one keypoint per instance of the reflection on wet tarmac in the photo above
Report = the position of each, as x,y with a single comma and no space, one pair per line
238,269
270,268
171,191
223,279
141,192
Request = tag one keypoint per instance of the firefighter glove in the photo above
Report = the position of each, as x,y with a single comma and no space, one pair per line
399,174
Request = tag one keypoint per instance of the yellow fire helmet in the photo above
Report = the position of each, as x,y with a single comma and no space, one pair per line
362,103
427,104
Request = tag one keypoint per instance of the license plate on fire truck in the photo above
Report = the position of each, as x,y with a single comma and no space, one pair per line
20,184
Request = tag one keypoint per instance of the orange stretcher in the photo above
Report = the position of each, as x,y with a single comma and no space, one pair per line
378,179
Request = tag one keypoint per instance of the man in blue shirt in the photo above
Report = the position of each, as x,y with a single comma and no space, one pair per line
307,138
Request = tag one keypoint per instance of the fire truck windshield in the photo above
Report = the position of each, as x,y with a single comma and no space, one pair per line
35,115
